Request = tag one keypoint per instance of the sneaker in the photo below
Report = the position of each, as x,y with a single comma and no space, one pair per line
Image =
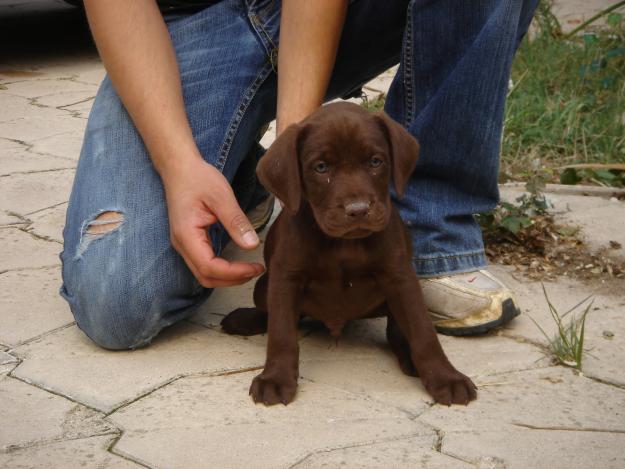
468,304
260,215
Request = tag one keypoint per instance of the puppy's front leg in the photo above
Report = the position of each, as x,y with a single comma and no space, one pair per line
278,381
405,301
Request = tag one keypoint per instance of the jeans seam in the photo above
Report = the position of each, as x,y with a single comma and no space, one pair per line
408,82
233,126
265,39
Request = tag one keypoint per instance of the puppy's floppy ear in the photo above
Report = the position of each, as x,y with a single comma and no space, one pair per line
404,150
278,170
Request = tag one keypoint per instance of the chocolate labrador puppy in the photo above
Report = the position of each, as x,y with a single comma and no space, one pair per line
339,250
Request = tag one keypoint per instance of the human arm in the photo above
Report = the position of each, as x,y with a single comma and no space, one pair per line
136,49
309,38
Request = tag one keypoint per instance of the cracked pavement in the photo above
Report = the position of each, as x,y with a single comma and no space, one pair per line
183,402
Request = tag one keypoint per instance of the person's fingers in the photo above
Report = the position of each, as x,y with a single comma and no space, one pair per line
195,247
235,222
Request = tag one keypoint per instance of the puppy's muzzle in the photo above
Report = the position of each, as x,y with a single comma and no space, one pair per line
358,209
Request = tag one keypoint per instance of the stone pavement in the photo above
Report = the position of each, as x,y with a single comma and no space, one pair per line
182,402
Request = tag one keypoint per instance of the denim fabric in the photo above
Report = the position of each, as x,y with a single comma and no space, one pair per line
125,285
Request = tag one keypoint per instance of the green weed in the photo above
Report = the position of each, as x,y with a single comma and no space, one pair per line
567,345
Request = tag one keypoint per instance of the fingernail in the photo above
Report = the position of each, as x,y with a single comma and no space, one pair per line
250,238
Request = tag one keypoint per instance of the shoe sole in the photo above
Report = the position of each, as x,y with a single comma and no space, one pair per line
508,312
261,223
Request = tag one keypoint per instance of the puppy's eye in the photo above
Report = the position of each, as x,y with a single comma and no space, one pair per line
321,167
375,162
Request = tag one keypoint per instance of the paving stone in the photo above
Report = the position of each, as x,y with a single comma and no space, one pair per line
367,366
410,452
28,193
122,376
538,448
81,109
29,128
31,304
69,454
65,145
7,219
571,13
50,87
13,106
554,398
7,362
383,81
49,223
93,75
33,416
21,250
66,99
604,339
201,421
16,158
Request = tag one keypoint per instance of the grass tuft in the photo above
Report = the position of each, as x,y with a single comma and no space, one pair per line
567,345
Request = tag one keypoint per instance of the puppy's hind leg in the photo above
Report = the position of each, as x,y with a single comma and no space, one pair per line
249,321
245,321
400,347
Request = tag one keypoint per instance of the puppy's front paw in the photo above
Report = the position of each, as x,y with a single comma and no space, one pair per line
271,389
450,387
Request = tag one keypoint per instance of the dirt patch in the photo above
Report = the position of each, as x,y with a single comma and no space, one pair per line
546,250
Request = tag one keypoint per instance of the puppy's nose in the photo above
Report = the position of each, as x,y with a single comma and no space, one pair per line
357,209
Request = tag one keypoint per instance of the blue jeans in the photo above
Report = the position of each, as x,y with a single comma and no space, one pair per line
126,285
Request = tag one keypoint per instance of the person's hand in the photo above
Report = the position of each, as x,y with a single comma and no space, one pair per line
198,195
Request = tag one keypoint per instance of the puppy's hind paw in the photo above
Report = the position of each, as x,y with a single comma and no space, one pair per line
245,321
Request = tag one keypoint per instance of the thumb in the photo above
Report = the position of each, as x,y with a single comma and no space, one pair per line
237,224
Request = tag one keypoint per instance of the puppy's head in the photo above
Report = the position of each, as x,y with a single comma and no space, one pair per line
341,160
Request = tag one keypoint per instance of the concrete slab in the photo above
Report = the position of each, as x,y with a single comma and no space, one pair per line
18,158
52,88
31,304
551,398
525,448
49,223
32,416
28,193
7,362
414,452
66,99
180,350
8,219
69,454
65,145
202,421
33,127
604,341
18,249
382,82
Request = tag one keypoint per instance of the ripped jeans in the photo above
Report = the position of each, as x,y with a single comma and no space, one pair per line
123,279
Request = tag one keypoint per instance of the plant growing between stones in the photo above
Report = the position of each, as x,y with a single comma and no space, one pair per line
567,344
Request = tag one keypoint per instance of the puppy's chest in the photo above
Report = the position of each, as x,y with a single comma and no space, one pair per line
336,291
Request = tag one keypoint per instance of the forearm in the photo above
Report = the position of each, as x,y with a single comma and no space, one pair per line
309,36
136,49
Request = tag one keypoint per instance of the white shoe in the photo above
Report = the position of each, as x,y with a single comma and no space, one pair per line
469,303
260,215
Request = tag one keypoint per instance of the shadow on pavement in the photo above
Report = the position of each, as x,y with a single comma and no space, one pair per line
38,31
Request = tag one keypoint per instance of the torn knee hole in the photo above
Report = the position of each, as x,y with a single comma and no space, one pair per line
105,222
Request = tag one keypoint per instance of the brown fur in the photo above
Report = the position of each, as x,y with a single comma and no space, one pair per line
339,251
